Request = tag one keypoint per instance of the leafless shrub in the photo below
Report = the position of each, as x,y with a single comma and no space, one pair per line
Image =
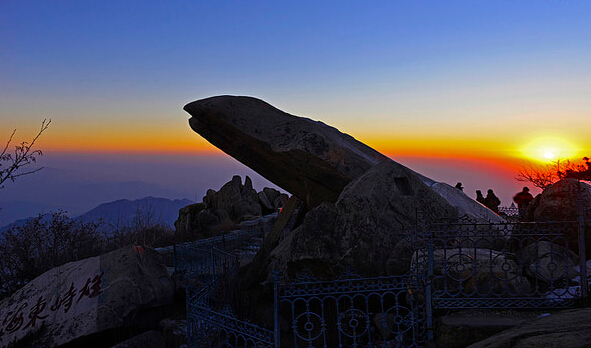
23,155
42,243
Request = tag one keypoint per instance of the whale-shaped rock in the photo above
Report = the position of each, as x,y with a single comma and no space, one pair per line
307,158
310,159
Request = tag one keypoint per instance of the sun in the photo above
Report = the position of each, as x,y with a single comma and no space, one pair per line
550,155
549,148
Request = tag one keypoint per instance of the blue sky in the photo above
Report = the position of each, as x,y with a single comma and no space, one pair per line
416,80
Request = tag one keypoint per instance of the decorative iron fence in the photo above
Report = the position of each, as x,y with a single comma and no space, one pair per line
511,210
501,265
353,311
210,299
455,265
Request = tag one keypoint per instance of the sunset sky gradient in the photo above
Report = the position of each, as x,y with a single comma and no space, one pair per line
479,86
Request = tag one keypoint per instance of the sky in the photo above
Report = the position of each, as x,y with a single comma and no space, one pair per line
457,90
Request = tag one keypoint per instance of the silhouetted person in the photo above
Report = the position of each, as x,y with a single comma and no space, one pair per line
459,186
492,201
522,199
479,197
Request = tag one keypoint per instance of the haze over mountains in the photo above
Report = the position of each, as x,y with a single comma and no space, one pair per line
122,212
78,183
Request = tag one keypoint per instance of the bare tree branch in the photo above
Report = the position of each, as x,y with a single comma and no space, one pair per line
24,155
544,176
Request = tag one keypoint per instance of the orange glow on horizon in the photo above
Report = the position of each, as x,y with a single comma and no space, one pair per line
180,139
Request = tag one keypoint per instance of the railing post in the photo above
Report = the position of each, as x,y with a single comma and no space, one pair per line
428,289
276,330
582,253
174,258
212,265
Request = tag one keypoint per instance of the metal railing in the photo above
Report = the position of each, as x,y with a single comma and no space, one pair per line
352,311
455,265
501,265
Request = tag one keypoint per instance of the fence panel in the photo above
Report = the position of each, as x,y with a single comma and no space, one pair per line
501,265
353,311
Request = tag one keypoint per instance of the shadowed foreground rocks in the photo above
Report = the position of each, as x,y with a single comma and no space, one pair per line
560,202
364,228
76,303
565,329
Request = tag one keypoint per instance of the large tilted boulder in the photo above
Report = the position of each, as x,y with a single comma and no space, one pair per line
560,202
307,158
364,228
81,299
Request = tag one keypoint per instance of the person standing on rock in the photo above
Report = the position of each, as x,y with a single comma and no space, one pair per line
491,201
479,197
522,199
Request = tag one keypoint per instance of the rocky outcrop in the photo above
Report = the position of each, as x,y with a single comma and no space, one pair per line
84,298
565,329
561,202
307,158
225,209
363,229
311,160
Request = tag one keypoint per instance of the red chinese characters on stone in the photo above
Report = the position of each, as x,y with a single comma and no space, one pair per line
36,311
65,300
13,321
92,288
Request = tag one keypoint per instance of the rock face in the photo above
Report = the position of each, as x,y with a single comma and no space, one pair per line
311,160
549,262
86,297
566,329
365,226
225,209
476,271
462,328
307,158
559,202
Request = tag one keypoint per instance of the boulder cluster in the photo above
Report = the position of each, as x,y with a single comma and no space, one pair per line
221,211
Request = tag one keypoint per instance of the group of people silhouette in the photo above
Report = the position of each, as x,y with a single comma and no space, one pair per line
492,202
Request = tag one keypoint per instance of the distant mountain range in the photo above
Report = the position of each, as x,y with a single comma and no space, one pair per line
122,212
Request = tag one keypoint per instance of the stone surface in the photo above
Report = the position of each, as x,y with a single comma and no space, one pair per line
466,206
476,271
371,216
222,211
258,269
175,332
558,202
188,221
307,158
240,201
565,329
148,339
468,326
549,262
86,297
